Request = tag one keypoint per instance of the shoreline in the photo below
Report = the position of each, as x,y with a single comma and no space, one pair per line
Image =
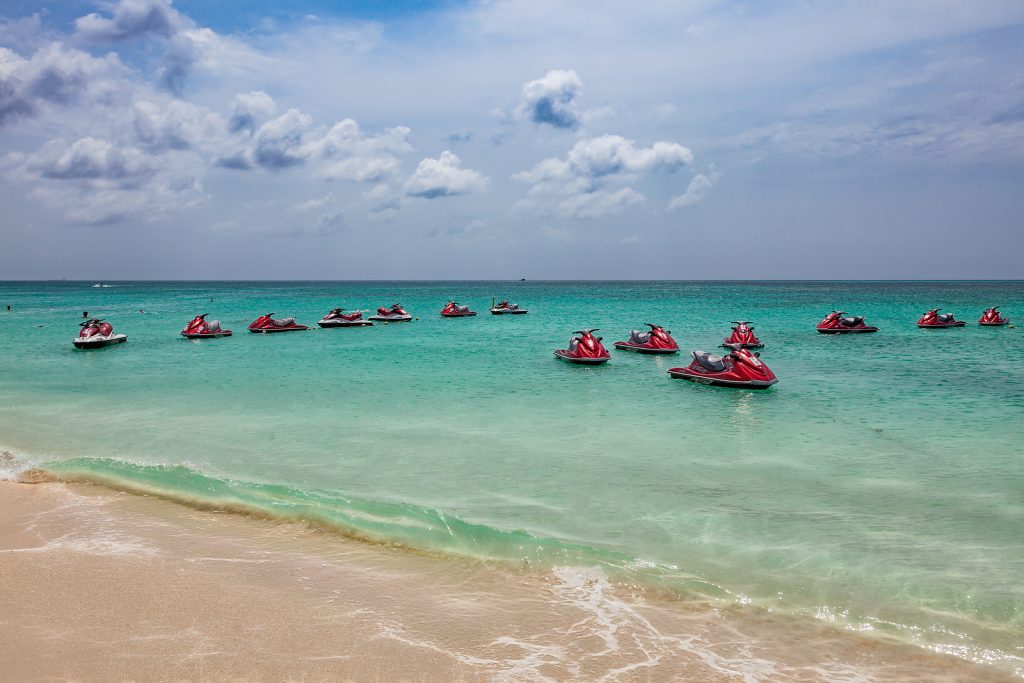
107,585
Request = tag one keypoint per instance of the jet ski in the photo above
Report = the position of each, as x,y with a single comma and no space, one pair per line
655,340
739,368
395,314
992,318
837,322
742,334
338,318
505,308
200,328
265,324
96,334
455,310
933,319
585,349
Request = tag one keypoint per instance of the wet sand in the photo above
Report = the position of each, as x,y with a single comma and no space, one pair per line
99,585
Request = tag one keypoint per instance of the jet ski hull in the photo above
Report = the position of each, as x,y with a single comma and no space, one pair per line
626,346
94,343
581,361
957,323
999,324
345,323
271,330
848,330
469,314
206,335
392,319
505,311
712,380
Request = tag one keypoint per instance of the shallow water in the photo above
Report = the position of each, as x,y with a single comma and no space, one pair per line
878,486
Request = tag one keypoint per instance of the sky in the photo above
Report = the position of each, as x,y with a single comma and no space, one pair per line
662,139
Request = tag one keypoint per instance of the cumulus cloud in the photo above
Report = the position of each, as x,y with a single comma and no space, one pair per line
697,189
551,100
89,158
185,45
98,181
130,19
173,125
250,110
593,163
443,177
344,152
339,152
54,75
592,159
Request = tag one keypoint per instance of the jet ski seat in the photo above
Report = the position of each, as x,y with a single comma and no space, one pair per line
638,337
944,317
853,320
709,362
283,322
213,325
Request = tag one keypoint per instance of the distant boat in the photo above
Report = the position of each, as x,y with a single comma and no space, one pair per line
100,284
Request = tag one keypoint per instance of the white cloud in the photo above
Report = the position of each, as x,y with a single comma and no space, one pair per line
443,177
251,109
696,190
592,159
591,165
600,203
98,181
56,76
130,19
551,100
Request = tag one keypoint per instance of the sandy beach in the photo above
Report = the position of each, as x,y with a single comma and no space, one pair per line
101,585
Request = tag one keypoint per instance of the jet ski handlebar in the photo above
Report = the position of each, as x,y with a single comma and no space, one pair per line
586,331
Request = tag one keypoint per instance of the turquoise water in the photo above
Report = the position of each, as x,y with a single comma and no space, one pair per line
877,486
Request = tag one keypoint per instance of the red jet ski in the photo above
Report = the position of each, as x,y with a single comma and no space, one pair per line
454,310
339,318
835,323
505,308
265,324
742,334
991,318
740,368
200,328
96,334
395,314
655,340
933,319
585,349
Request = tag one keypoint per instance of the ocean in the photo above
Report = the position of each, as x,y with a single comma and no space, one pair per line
878,487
